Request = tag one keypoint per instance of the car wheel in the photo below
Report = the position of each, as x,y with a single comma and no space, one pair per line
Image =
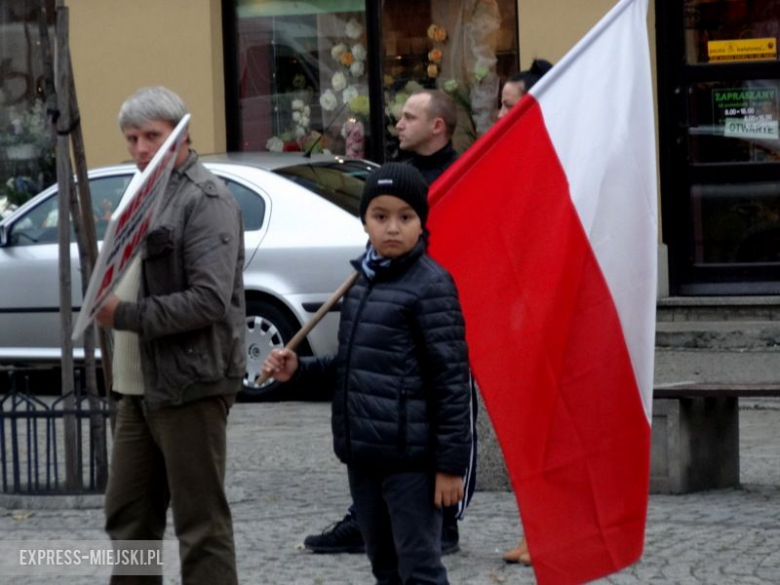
267,328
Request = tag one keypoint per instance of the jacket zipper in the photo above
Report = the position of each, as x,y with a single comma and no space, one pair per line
362,304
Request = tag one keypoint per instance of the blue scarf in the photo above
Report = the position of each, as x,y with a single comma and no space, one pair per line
373,262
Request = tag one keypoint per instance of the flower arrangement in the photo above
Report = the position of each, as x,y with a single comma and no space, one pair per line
27,127
437,34
350,57
299,135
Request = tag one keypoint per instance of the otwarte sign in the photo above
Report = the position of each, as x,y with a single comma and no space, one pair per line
129,225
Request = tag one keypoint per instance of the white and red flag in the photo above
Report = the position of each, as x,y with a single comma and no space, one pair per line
549,227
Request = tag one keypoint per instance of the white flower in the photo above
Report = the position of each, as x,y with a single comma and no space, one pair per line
359,52
296,116
339,81
451,85
305,121
397,110
274,144
300,132
354,29
349,94
357,68
297,104
306,111
337,51
328,101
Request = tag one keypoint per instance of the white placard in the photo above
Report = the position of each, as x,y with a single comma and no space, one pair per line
129,225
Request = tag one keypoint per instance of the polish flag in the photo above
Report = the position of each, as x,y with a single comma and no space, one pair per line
549,226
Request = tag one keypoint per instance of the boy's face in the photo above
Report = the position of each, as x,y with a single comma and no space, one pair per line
393,227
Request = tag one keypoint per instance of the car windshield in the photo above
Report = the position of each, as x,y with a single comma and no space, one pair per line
341,183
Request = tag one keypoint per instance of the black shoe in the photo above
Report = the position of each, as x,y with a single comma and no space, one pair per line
449,536
449,547
342,537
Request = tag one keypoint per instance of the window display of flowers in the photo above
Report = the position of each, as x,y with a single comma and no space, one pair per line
26,128
299,134
27,144
438,34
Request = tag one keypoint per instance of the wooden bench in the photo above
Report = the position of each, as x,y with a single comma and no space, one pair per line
695,443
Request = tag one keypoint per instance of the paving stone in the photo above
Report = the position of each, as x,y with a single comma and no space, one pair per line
284,483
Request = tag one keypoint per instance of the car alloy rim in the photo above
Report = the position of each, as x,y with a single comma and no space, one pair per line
262,336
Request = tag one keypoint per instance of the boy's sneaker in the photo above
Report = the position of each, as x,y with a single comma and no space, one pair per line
342,537
449,538
449,547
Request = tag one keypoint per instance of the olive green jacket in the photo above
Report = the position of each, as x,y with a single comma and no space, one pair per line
190,314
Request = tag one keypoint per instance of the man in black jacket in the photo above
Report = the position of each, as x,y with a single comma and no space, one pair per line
428,120
425,131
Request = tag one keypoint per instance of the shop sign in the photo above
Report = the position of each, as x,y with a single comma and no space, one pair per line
746,113
742,50
741,128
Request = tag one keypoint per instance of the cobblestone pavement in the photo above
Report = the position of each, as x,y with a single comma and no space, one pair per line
284,482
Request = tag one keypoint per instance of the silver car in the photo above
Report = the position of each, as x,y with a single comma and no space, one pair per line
301,228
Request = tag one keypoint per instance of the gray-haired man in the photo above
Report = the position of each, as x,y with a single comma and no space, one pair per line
184,326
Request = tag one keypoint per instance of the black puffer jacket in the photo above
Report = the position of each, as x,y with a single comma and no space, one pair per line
402,398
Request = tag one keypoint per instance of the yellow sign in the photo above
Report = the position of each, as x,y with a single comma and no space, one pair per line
742,50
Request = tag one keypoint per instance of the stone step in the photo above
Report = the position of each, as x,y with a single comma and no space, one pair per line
684,309
734,335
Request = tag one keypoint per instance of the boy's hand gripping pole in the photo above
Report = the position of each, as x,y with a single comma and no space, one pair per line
321,312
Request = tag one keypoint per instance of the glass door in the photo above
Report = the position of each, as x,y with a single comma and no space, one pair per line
719,106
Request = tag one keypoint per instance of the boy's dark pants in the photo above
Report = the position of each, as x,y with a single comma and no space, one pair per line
400,525
173,455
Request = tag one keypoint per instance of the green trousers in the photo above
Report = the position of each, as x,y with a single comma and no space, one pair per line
174,455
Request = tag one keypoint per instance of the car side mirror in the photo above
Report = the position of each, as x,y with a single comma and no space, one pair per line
3,235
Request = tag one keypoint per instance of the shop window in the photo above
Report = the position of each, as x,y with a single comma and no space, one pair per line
303,83
735,121
26,141
465,48
736,223
302,69
718,31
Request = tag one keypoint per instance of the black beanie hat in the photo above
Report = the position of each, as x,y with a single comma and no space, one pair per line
399,180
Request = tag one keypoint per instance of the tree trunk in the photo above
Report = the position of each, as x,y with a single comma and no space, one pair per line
73,478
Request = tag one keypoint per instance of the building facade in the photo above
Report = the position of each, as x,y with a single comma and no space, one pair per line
332,74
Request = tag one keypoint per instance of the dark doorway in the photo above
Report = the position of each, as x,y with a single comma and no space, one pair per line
719,106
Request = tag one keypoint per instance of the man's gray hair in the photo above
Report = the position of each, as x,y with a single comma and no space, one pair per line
149,104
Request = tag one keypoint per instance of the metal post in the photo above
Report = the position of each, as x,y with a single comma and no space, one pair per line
376,114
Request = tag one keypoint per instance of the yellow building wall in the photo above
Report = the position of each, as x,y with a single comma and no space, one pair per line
549,28
119,46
